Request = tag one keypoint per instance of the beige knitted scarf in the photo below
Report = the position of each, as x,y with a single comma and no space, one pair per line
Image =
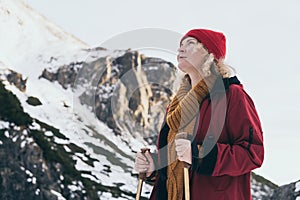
181,117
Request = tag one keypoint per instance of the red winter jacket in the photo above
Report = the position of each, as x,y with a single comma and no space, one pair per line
234,146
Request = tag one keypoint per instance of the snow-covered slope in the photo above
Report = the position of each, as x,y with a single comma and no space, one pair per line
27,38
83,130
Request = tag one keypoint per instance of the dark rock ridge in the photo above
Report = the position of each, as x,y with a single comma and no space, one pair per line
287,192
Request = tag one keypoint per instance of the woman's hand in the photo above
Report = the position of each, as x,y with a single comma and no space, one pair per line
184,150
144,163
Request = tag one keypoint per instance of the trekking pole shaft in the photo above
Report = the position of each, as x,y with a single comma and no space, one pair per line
139,189
186,181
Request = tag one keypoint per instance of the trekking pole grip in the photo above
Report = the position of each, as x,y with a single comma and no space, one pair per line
142,175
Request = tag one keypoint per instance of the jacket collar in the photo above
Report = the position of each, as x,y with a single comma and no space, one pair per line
222,84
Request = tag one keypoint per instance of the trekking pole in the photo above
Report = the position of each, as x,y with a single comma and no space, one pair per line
142,177
185,171
186,181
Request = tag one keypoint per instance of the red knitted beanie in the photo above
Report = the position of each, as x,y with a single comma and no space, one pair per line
215,42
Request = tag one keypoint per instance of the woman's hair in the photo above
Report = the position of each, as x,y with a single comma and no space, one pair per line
217,67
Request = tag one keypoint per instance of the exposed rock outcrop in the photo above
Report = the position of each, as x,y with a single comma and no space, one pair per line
287,192
128,92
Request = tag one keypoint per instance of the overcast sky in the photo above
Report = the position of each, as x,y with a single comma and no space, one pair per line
263,45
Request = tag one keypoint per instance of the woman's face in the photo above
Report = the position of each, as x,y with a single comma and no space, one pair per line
191,55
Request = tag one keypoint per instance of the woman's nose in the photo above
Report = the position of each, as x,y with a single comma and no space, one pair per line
180,49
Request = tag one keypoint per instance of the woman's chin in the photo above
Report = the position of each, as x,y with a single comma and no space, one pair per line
182,67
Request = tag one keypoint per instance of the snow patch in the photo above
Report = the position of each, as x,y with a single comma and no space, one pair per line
15,138
74,188
32,180
67,149
61,141
29,173
108,196
77,186
6,133
48,134
37,191
82,156
297,186
23,144
35,126
4,125
58,195
26,141
24,132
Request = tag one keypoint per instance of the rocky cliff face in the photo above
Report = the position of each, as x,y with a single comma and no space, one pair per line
287,192
129,92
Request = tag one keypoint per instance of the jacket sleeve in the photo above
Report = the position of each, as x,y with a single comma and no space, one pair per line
245,151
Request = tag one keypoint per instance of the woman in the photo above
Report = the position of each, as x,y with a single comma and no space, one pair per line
223,136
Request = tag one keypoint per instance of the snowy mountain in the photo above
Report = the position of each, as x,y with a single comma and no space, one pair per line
27,37
30,44
72,117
